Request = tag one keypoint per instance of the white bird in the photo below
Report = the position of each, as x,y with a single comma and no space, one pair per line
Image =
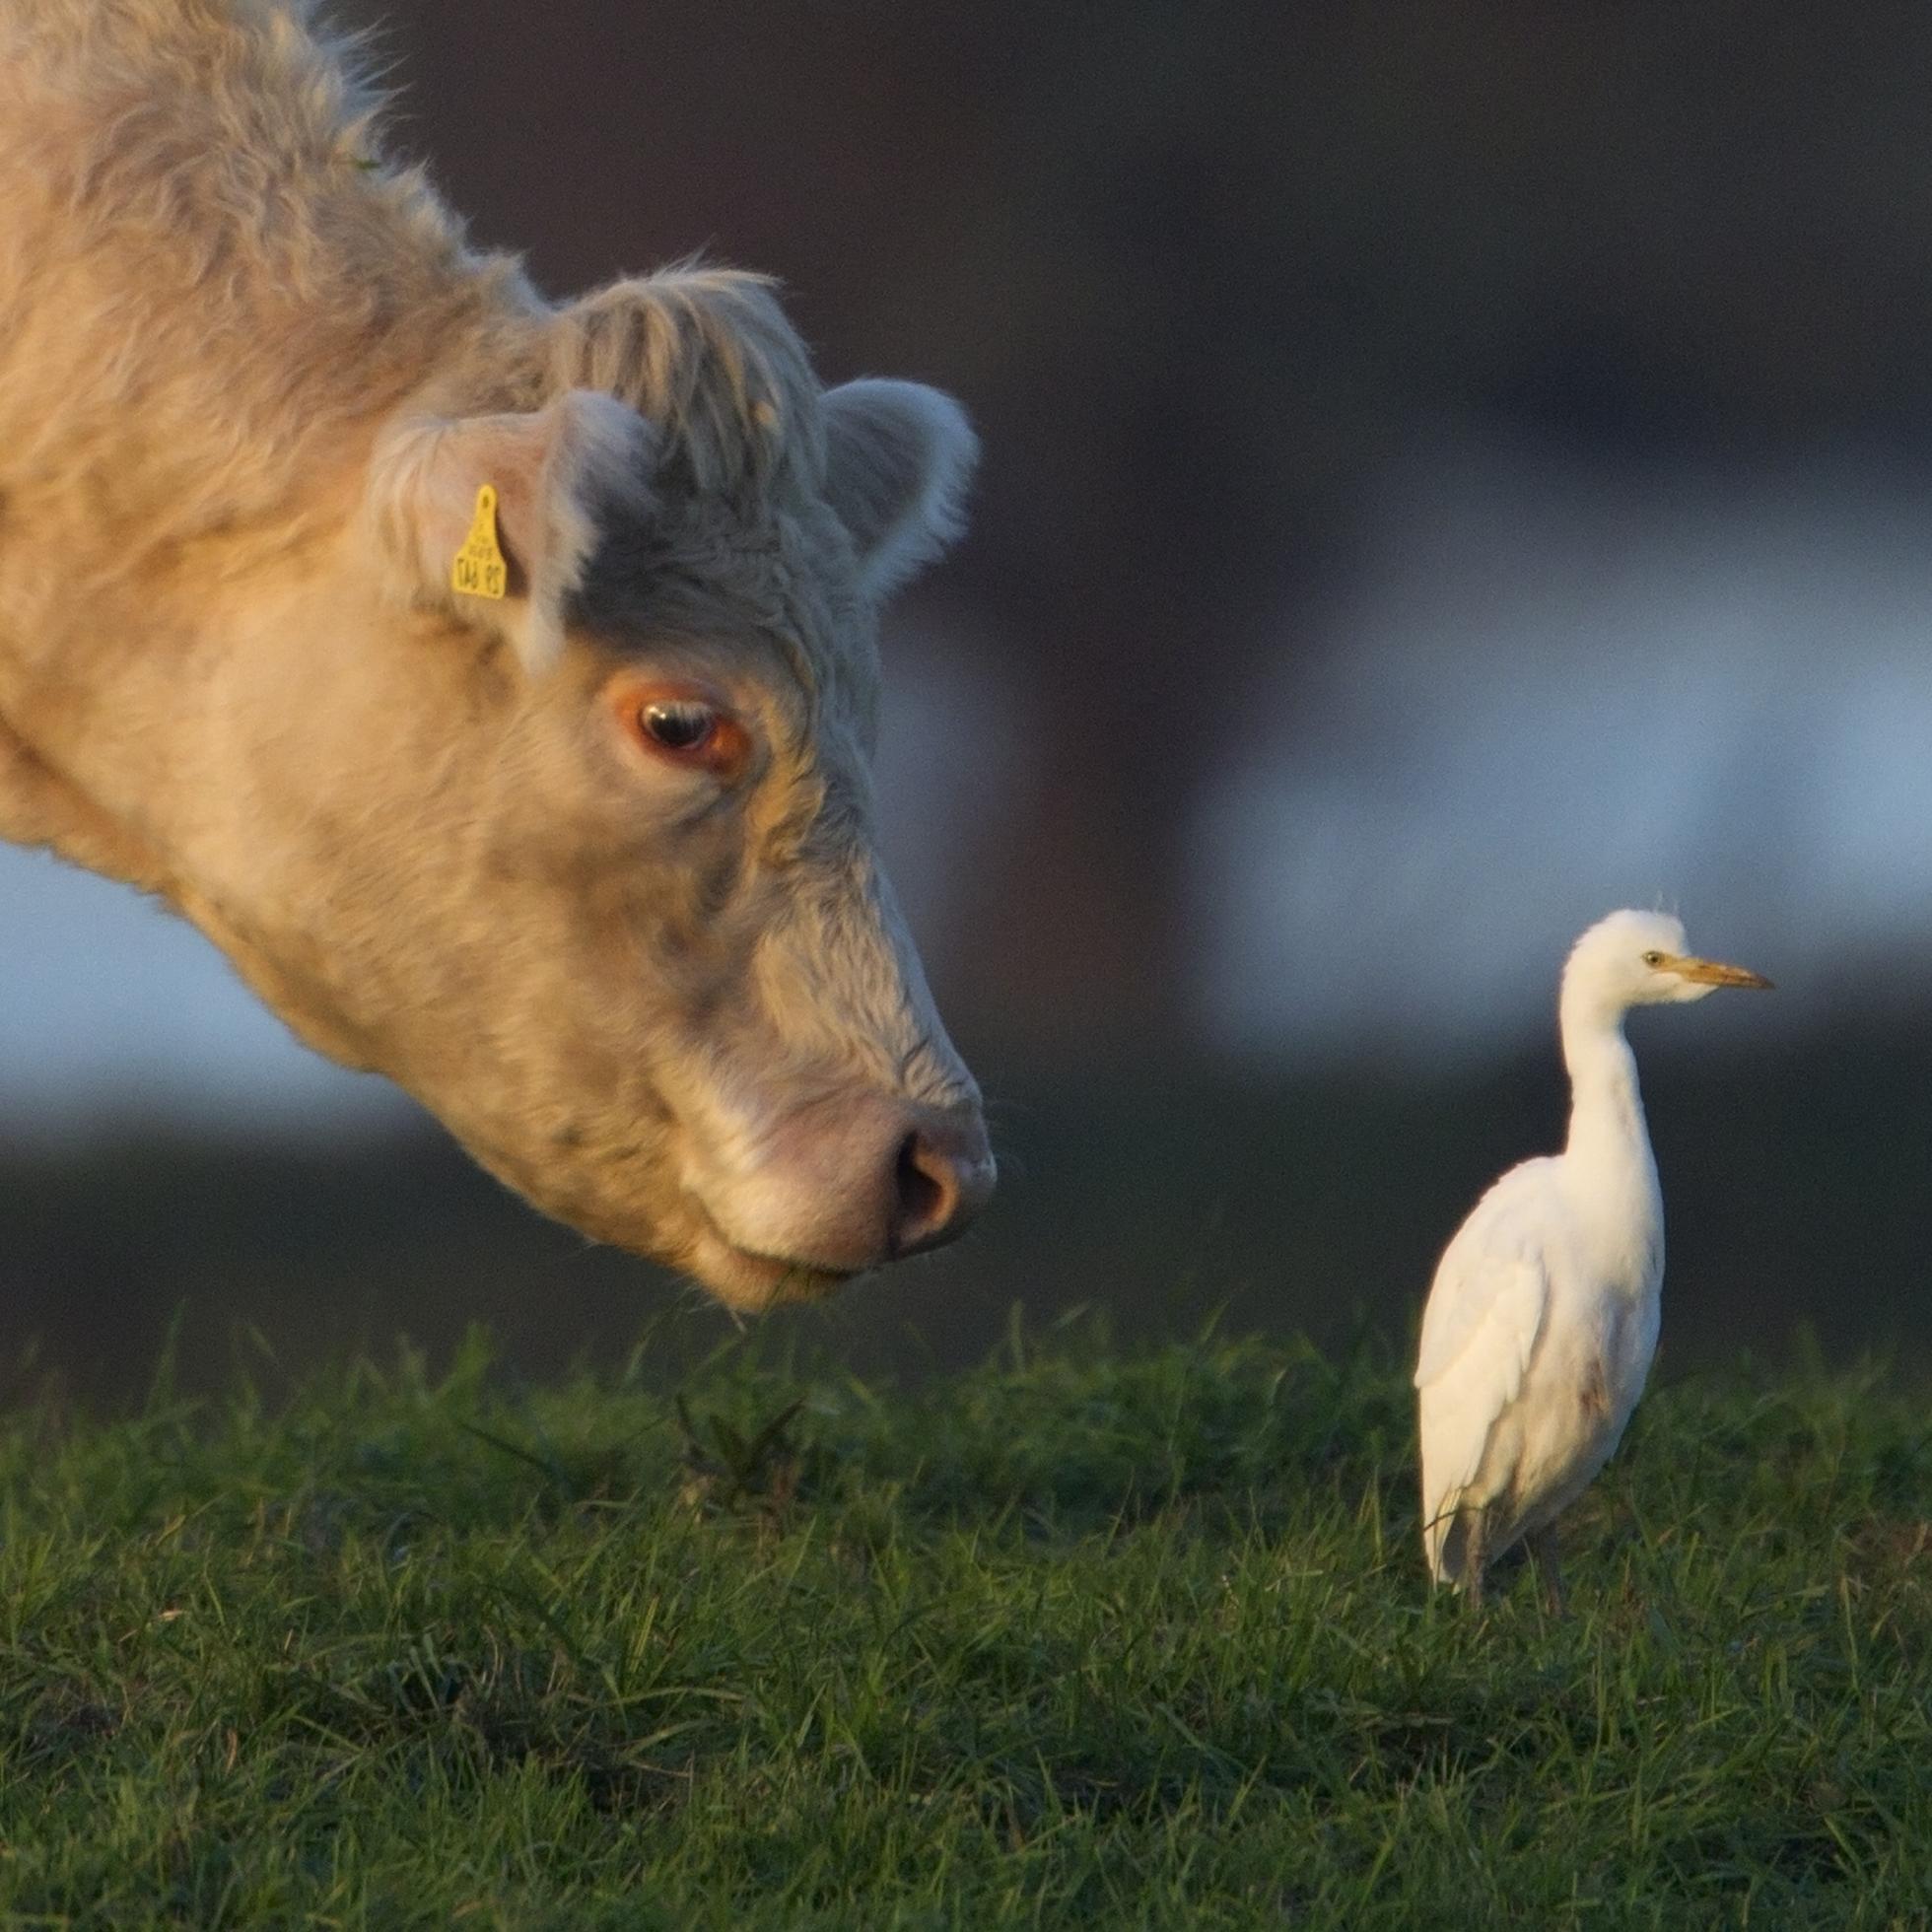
1541,1321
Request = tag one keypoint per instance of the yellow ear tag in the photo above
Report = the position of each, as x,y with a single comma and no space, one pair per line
479,569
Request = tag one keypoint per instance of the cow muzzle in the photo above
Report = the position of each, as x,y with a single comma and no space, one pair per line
851,1182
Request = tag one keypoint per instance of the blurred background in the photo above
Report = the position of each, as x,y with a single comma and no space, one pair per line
1448,472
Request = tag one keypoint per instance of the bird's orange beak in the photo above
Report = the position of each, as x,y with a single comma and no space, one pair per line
1711,972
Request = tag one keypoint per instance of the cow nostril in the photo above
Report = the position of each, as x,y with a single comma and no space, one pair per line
928,1192
943,1176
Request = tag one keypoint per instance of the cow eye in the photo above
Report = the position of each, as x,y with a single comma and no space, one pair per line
682,725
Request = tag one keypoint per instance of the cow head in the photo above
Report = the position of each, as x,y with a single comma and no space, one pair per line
588,866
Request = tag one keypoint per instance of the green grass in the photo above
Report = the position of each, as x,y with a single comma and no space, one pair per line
1080,1638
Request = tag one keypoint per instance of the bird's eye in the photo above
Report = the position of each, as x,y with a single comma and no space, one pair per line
1653,959
681,725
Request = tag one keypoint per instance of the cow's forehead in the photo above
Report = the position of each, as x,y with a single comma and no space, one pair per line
777,585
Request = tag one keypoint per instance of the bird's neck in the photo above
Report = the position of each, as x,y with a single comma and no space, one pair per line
1607,1138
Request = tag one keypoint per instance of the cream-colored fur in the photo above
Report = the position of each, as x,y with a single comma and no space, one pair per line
251,376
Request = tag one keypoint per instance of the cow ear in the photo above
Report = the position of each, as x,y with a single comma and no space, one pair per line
535,491
898,457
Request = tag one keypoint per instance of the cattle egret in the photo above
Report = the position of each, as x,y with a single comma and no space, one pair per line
1541,1321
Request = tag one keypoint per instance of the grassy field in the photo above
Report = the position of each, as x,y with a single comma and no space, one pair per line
1083,1636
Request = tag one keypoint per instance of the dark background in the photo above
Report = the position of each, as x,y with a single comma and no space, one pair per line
1208,277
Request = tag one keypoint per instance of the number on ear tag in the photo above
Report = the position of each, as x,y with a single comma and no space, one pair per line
479,569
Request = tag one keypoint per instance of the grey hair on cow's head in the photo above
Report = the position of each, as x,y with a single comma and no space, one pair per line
713,384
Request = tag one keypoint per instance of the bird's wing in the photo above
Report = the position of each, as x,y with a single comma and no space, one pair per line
1486,1310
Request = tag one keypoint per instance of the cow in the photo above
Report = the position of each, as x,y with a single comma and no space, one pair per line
495,682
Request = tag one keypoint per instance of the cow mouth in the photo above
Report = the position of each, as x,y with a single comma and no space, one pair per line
750,1282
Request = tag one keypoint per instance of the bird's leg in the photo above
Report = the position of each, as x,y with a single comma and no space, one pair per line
1476,1555
1541,1546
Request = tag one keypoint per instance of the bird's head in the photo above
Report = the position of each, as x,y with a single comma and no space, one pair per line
1643,959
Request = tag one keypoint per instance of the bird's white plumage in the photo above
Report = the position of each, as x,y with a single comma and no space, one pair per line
1484,1315
1542,1317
